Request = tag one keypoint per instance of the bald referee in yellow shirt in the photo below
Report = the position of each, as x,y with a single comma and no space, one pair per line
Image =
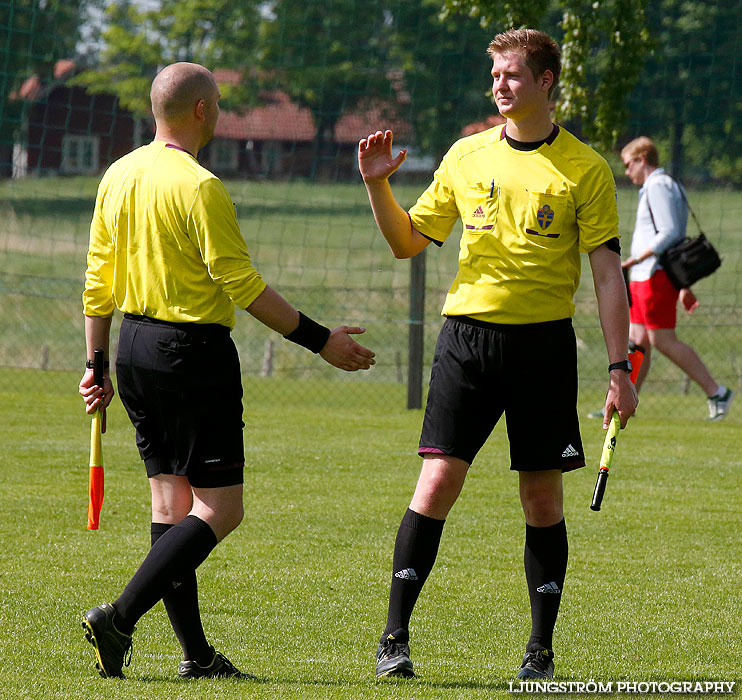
531,197
166,249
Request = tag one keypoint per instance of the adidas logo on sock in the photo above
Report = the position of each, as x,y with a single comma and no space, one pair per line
570,452
407,574
549,588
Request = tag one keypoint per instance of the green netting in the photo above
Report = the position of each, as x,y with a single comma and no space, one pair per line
302,83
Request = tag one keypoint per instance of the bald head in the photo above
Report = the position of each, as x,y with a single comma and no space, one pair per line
177,89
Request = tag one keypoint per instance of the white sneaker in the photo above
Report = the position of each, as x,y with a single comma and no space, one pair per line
719,405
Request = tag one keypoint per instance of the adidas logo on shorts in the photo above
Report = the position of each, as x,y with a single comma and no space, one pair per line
570,452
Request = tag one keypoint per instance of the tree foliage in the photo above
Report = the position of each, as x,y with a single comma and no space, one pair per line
689,97
326,57
500,13
216,33
444,68
604,46
129,59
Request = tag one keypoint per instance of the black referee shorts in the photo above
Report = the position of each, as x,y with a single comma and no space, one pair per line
529,372
181,386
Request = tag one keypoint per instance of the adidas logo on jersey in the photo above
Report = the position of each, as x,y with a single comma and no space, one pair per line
479,212
549,588
570,452
407,574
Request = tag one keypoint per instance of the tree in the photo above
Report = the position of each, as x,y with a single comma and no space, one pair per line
215,33
36,34
132,52
689,97
445,70
526,13
327,57
604,44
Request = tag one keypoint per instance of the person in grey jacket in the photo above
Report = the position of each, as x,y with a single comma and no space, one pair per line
661,219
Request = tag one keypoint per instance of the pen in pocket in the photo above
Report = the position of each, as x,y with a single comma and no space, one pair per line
492,188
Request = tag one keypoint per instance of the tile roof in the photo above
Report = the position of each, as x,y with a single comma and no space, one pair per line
278,119
358,124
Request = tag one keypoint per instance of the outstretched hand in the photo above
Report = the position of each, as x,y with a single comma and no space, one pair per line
343,352
375,157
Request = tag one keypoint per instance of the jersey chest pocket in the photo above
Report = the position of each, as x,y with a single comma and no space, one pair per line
480,215
545,215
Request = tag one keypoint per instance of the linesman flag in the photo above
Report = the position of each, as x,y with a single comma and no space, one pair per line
95,470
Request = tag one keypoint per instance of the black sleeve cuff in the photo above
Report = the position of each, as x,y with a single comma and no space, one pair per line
614,245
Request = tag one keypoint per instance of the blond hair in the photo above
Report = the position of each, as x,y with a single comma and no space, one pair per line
642,147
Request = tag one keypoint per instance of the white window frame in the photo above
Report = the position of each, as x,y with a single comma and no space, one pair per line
76,159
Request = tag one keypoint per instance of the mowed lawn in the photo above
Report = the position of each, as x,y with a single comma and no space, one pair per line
297,595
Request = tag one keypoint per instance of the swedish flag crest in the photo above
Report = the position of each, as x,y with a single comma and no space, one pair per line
545,216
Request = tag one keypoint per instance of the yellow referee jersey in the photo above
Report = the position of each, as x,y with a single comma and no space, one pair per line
526,217
165,243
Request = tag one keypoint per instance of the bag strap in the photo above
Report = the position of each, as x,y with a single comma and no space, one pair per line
687,203
685,199
651,216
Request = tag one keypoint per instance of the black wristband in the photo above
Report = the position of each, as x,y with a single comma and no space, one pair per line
309,334
625,365
89,364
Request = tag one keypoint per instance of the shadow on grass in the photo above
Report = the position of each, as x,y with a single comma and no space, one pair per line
360,684
393,683
186,682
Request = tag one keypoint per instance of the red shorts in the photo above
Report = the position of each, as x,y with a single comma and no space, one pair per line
654,302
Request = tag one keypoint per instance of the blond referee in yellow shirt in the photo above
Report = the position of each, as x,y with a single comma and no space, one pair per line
166,250
530,197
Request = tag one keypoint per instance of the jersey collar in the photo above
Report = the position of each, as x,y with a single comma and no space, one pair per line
529,145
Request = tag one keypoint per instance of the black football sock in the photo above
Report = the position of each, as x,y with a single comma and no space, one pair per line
177,553
181,604
545,561
415,550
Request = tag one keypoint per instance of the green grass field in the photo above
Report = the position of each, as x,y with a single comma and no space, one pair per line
297,595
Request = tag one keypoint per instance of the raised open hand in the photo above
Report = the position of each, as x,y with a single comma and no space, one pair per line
375,159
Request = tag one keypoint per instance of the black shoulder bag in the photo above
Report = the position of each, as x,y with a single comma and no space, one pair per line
690,260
